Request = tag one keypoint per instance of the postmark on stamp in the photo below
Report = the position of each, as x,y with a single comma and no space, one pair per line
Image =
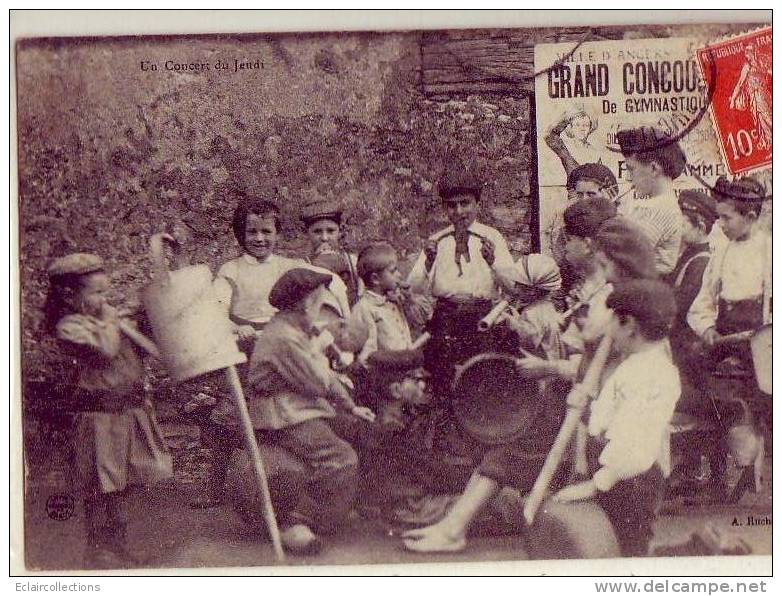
740,70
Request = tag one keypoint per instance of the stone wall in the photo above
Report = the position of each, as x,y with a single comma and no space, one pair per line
110,153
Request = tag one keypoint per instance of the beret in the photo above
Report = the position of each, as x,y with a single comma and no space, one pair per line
459,181
319,207
745,189
700,203
650,141
585,216
650,302
591,171
294,285
539,271
626,244
78,263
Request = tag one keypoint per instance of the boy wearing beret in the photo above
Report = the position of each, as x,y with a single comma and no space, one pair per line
628,449
588,181
581,220
700,213
653,162
293,392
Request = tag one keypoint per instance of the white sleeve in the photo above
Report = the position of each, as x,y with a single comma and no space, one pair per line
504,266
703,310
418,278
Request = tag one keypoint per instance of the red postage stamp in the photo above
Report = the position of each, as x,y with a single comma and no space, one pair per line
739,69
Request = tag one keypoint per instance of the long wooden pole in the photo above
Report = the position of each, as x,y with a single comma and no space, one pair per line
140,339
255,453
589,384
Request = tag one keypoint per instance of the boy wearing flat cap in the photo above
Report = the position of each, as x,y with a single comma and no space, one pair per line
653,161
467,258
628,449
736,291
293,392
464,267
322,218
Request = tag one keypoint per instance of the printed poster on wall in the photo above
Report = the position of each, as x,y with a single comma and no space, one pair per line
585,93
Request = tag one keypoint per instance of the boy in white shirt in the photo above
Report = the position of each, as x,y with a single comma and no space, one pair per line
735,294
735,297
628,448
464,267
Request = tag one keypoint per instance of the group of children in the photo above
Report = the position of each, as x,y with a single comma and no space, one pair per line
332,337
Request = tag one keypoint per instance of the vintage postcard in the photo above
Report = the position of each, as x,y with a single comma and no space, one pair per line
447,295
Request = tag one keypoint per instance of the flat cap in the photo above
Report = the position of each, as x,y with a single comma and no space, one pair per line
653,144
626,244
318,207
294,285
745,189
650,302
458,180
78,263
596,172
699,203
585,216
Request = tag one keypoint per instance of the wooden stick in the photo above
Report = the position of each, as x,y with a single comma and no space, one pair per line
734,338
139,339
422,339
590,384
493,317
260,472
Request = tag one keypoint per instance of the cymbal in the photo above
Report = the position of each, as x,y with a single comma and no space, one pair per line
492,400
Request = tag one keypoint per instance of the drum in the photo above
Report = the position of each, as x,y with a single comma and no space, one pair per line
760,345
577,530
492,401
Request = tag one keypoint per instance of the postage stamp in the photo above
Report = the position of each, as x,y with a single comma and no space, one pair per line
739,69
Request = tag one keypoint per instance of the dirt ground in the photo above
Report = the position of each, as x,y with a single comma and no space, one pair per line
169,534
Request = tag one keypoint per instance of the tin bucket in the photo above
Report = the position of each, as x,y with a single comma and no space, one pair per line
191,329
760,344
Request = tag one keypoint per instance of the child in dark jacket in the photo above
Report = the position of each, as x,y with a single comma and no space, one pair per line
117,442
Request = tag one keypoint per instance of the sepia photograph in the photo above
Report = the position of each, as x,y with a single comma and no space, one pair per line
442,295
